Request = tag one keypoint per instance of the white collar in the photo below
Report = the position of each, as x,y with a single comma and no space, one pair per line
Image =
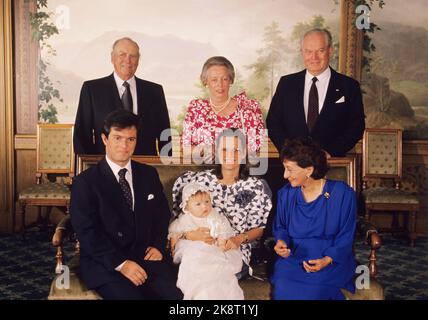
120,81
116,168
321,77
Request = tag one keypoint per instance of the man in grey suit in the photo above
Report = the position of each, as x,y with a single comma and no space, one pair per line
317,102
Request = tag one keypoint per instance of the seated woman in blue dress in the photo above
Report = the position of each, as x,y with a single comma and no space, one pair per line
314,228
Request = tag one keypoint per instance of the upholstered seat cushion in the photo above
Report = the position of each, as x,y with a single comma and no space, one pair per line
46,191
388,195
374,292
76,291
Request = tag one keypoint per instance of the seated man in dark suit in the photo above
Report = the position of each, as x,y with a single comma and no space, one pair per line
317,102
121,89
120,215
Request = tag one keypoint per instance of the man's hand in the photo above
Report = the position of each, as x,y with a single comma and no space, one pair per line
317,264
134,272
281,249
153,254
200,234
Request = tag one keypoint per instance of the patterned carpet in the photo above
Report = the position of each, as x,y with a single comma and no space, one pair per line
27,268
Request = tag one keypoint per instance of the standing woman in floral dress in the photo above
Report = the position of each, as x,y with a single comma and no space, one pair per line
207,118
245,200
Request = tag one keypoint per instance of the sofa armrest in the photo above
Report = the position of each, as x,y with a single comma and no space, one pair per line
373,239
63,230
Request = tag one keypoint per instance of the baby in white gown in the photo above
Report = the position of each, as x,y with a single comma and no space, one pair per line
206,272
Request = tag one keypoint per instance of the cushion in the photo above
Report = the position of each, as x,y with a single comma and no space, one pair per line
46,191
76,291
388,195
375,292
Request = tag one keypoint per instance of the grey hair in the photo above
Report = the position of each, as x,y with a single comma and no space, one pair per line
217,61
124,39
325,32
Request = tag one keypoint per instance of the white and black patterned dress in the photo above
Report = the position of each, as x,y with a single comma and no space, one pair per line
246,203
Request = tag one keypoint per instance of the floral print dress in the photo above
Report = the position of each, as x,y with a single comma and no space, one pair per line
246,203
202,125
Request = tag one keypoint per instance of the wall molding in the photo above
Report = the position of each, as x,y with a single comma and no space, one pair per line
351,42
7,183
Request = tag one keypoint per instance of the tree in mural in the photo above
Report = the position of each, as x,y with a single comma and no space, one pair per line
269,63
42,29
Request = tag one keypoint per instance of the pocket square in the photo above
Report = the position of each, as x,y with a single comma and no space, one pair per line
341,100
150,197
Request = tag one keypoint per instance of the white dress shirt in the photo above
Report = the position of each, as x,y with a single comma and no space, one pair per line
322,86
132,86
128,176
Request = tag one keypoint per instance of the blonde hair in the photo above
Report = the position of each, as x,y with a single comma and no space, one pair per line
199,194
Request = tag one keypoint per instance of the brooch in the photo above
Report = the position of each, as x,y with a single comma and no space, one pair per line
327,195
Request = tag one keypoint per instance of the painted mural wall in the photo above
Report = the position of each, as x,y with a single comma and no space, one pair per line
261,38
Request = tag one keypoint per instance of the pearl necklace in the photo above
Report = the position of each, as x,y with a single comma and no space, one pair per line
218,109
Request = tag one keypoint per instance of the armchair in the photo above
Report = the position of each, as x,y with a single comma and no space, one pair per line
54,156
382,159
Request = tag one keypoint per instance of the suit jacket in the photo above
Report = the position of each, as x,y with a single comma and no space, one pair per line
100,97
108,230
339,126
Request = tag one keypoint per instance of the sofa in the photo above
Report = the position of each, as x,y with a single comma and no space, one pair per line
256,287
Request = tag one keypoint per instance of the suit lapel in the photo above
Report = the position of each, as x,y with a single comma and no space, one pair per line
140,194
333,93
114,92
140,188
140,94
111,188
300,112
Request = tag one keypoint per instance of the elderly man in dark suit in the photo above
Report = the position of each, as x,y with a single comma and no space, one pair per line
121,216
121,89
317,102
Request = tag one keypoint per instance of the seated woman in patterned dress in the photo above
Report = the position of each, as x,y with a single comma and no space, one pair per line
313,228
244,200
207,118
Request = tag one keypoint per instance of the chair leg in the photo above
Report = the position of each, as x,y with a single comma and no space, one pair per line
395,224
367,215
77,248
23,208
412,228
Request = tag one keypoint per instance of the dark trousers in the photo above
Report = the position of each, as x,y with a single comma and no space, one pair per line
160,285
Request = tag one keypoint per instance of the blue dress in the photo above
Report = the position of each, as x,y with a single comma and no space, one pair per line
323,227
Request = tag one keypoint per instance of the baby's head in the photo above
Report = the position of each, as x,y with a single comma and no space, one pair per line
196,200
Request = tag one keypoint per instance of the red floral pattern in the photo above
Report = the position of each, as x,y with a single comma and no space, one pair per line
202,125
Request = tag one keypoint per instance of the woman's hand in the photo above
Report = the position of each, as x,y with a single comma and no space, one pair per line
233,242
317,264
281,249
200,234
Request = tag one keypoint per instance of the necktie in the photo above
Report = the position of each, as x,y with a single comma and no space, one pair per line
127,97
313,108
126,189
